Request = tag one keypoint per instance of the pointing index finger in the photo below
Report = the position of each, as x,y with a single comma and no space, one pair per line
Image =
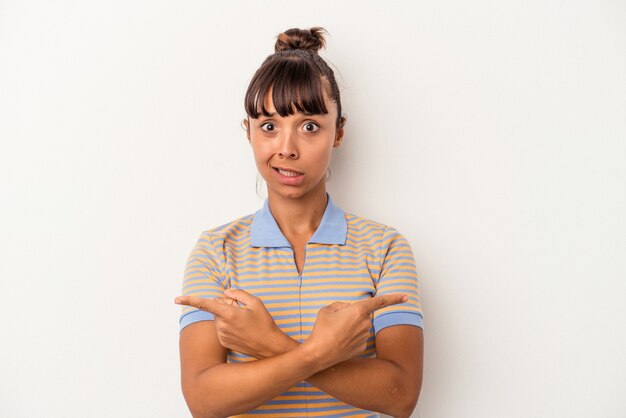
379,302
208,305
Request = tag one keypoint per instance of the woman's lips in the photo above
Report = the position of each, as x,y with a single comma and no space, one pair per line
287,172
288,176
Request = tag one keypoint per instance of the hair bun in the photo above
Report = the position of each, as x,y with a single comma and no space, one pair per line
310,39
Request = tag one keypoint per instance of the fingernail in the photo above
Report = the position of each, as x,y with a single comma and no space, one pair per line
178,300
405,298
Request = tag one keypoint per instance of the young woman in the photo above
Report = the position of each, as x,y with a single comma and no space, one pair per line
299,309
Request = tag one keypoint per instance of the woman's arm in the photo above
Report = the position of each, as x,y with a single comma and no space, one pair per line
389,383
214,388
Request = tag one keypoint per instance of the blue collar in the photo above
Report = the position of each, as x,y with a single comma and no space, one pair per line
264,231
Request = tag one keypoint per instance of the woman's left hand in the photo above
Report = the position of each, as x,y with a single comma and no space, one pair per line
248,327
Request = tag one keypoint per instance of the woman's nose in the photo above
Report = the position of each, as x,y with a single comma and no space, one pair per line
288,147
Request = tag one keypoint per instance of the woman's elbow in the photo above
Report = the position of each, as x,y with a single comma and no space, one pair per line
404,402
206,414
199,409
200,405
406,408
402,409
204,410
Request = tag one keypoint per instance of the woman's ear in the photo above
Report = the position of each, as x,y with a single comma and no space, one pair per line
246,127
339,134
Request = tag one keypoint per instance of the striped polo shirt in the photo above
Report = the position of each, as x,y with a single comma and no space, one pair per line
348,258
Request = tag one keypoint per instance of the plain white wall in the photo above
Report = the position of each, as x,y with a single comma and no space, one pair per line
490,133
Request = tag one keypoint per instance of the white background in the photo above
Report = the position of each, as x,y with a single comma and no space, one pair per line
491,134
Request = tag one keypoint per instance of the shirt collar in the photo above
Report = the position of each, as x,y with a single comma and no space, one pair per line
264,231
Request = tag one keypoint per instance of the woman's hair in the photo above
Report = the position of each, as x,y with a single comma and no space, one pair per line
297,76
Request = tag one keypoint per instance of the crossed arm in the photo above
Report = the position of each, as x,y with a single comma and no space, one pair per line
390,383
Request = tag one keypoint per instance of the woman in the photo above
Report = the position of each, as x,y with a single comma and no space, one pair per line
299,309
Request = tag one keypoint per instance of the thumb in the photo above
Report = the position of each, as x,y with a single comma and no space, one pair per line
241,296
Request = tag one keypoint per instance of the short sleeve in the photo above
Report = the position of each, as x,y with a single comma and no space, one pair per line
398,274
202,279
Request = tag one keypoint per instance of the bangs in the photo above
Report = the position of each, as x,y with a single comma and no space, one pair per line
297,85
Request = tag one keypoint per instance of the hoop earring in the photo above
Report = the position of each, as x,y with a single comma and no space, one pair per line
259,182
243,126
329,174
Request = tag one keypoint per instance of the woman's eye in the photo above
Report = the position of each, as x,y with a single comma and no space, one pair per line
268,127
311,127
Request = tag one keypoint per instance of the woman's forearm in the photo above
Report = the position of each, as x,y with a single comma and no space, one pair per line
366,383
232,388
340,333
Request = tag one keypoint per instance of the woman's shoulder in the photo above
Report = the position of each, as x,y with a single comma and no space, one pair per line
361,221
360,225
387,240
230,230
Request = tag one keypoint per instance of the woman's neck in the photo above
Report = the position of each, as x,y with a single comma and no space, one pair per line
298,218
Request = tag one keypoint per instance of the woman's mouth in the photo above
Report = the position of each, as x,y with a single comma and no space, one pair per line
287,173
288,177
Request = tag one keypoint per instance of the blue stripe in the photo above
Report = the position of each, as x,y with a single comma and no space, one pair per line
318,409
292,316
251,277
395,270
344,250
340,276
336,257
281,308
284,293
307,401
330,284
264,263
305,290
325,298
197,286
335,269
321,273
261,252
251,288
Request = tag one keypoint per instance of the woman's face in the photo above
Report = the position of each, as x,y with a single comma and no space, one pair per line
292,153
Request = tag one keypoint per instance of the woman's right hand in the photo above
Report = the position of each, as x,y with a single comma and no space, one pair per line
341,329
